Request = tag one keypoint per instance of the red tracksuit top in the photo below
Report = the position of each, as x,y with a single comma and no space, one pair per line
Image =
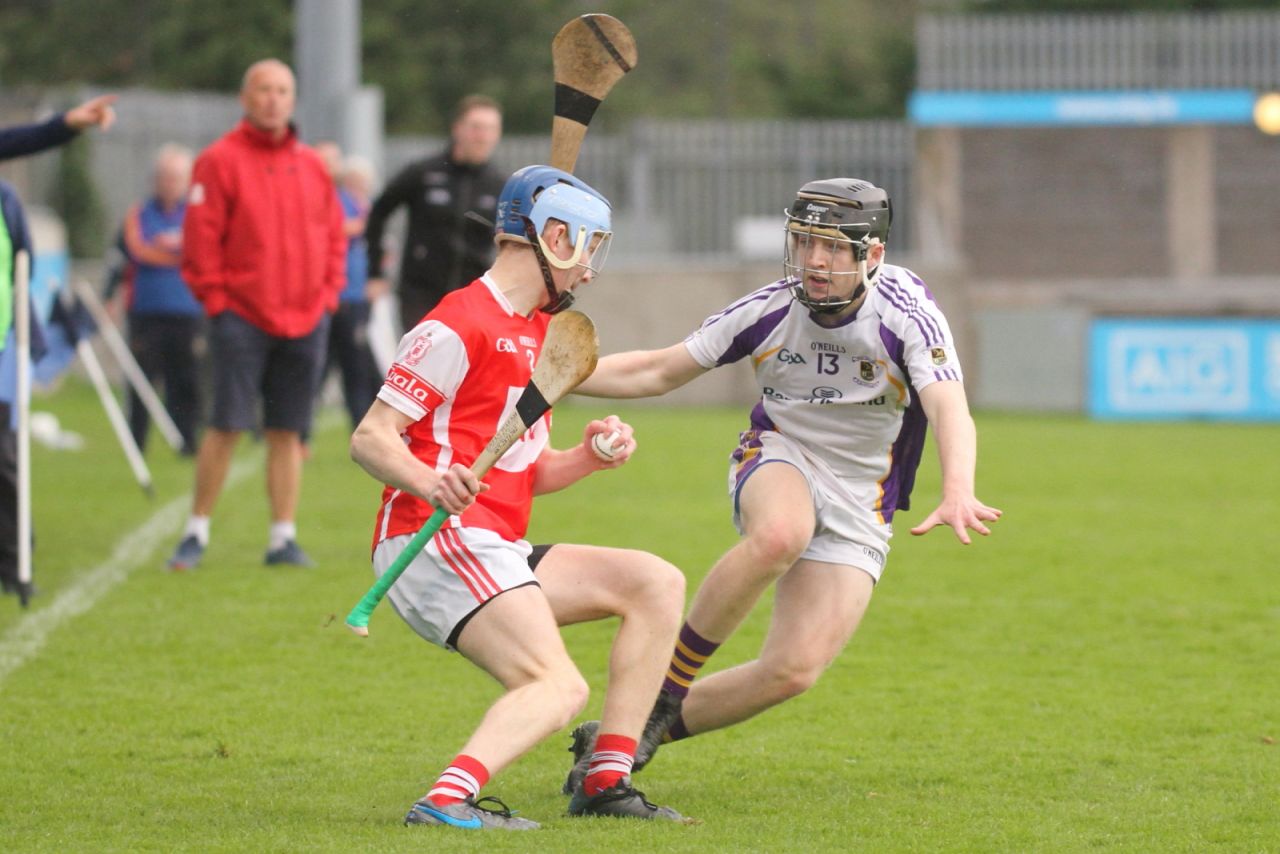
263,233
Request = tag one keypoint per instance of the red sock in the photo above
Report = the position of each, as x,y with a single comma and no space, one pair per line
463,779
610,762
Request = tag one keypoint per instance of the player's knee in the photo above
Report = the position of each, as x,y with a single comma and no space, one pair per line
572,693
663,589
776,548
652,586
791,679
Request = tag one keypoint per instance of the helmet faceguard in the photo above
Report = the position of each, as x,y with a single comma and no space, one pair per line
845,217
536,194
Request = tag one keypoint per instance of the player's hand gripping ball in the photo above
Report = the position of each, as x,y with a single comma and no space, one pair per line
602,444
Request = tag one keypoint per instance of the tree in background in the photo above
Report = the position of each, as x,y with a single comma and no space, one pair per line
717,58
78,202
1092,6
709,59
163,44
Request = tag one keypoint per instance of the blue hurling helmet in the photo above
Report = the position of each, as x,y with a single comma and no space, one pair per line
538,193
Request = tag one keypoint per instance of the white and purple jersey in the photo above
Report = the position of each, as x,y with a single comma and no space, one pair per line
848,394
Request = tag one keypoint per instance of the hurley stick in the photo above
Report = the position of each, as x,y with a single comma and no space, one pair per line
589,55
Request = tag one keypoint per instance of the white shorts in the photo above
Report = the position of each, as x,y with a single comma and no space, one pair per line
844,532
453,577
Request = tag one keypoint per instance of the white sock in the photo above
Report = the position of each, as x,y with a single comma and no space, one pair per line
198,527
281,533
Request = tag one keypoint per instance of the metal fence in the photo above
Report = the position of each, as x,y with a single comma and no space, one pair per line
1120,51
123,157
711,190
687,190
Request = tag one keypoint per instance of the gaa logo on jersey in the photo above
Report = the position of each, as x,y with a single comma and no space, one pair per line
939,355
418,349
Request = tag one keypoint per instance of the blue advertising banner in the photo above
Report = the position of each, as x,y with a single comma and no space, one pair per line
1150,368
1082,108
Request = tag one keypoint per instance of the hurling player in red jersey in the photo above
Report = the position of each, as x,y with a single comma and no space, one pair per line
478,587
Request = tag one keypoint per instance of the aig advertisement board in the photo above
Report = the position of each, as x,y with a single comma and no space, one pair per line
1166,369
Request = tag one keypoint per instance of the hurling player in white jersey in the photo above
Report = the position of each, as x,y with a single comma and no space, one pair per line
478,587
853,357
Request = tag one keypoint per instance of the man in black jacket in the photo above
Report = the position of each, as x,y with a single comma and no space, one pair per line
451,198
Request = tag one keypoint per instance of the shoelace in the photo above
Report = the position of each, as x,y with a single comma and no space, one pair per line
503,810
619,792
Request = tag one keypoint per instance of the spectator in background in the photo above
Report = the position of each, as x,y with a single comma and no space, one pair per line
452,198
349,329
263,250
62,128
166,325
14,237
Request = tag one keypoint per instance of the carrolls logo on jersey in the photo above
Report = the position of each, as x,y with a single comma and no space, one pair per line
414,387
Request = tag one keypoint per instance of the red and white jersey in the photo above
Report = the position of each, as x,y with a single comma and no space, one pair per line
458,374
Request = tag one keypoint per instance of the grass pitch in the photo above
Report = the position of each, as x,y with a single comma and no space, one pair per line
1097,675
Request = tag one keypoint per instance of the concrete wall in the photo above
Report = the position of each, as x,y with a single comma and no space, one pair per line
1038,203
1032,232
1182,203
652,307
1248,202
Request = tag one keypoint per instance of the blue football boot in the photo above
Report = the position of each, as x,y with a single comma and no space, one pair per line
469,815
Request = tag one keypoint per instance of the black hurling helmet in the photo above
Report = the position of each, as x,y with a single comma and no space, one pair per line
846,210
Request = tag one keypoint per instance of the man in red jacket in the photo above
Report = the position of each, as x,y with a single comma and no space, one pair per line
264,252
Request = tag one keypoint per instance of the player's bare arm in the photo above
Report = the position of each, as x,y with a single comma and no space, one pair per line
559,469
642,373
377,446
947,409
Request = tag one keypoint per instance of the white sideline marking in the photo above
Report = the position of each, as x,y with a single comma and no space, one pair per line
25,638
